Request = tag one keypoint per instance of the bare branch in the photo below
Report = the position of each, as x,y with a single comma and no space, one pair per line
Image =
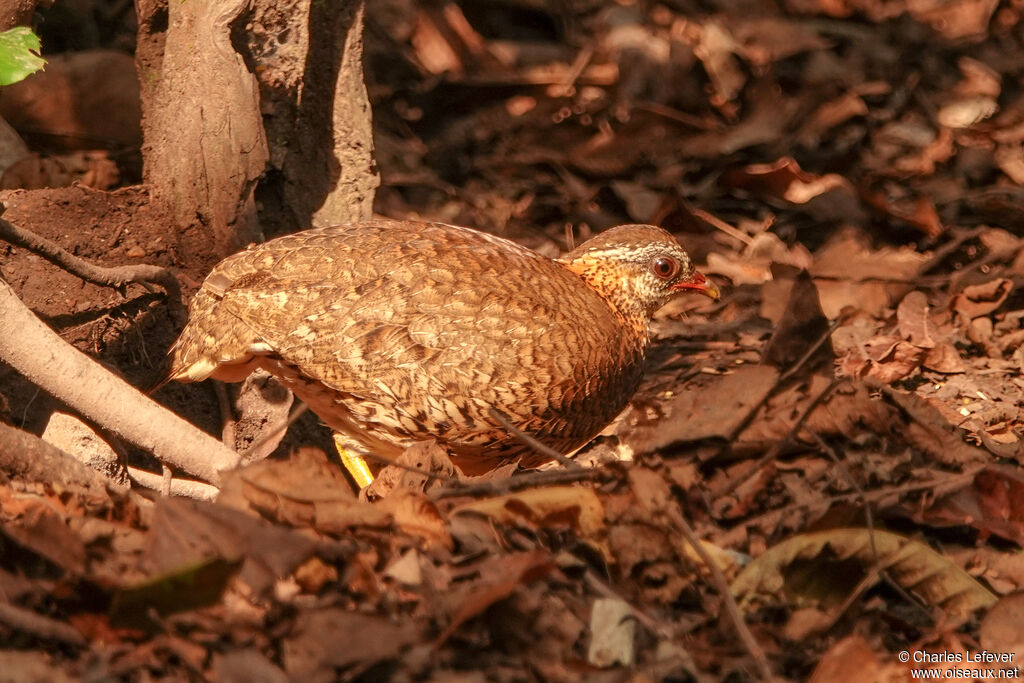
501,487
178,487
34,350
533,443
721,584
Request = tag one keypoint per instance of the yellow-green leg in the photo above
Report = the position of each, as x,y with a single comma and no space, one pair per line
355,463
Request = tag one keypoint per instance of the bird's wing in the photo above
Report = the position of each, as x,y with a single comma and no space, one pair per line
440,327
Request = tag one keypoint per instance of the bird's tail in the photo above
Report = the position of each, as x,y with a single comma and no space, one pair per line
215,343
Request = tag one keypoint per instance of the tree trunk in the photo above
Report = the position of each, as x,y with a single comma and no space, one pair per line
17,12
330,176
204,146
232,90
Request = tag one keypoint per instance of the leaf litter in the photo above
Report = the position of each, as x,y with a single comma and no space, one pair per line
843,431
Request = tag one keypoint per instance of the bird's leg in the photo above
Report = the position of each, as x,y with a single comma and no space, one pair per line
356,465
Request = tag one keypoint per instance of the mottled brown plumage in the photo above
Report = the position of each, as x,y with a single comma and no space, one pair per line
398,331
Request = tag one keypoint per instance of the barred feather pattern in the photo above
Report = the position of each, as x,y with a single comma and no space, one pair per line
397,331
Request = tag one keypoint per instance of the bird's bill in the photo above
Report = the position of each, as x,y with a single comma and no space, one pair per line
698,283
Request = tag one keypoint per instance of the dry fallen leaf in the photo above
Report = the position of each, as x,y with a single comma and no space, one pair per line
912,319
769,39
944,358
707,407
765,123
930,431
786,180
968,19
919,212
576,506
312,650
1010,159
499,578
801,324
406,569
851,660
1002,628
754,264
912,564
831,114
968,111
38,528
186,532
420,467
993,503
978,300
715,47
885,358
849,256
417,515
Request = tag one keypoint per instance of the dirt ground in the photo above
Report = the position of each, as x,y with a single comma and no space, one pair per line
131,331
843,430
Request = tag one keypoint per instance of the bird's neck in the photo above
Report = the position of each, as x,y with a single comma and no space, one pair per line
616,288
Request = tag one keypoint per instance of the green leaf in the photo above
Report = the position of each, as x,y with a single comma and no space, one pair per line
19,54
190,586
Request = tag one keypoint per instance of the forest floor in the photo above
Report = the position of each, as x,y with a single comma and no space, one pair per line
843,431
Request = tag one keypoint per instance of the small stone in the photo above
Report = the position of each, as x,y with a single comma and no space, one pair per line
78,440
406,570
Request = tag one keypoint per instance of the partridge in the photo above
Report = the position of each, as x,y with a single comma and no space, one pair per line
395,332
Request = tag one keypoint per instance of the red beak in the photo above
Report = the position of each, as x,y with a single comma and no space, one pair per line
698,283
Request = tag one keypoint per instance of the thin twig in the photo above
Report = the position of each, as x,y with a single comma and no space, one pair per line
940,254
664,630
711,346
674,115
722,226
187,488
103,398
721,584
869,518
167,478
533,443
568,84
118,276
878,494
777,447
502,487
793,369
869,580
869,522
818,343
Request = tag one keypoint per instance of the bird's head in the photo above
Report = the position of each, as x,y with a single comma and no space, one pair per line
637,269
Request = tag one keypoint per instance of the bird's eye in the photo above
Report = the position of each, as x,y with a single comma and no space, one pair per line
665,267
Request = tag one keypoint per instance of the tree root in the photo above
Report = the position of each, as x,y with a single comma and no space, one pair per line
178,487
38,353
118,276
26,457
